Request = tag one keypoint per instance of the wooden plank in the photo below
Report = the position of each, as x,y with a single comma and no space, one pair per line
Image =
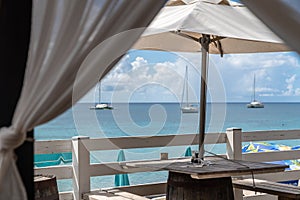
272,156
112,169
216,169
261,196
279,176
146,189
66,196
102,195
149,163
141,190
52,146
149,142
112,194
56,146
271,135
61,172
282,190
126,195
213,138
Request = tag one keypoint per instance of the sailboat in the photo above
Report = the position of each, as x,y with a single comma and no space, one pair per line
254,103
186,107
100,106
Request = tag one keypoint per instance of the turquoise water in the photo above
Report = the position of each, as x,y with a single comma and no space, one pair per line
150,119
166,118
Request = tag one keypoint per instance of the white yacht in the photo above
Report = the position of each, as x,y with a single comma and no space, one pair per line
189,109
101,106
254,103
186,107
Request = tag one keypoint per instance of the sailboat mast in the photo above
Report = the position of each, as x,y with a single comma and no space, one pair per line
183,89
99,85
184,100
186,85
254,89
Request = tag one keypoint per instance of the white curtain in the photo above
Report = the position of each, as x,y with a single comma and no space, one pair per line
73,43
281,16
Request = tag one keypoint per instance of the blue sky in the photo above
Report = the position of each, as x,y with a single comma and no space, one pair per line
153,76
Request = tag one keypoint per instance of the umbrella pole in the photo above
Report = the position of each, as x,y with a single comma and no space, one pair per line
204,41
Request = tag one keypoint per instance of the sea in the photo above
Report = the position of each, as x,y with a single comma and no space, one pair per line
152,119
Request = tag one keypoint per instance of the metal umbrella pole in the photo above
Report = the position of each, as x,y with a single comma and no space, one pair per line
204,41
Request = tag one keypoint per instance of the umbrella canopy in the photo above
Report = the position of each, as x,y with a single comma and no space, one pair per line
188,152
233,29
209,26
121,179
267,147
264,146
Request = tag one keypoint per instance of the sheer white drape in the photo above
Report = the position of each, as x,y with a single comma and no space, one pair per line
281,16
73,42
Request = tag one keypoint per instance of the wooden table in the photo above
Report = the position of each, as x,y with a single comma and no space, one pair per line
189,181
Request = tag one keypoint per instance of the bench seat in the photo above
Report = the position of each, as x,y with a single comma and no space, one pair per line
112,194
283,191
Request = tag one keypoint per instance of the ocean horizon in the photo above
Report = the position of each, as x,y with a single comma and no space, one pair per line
166,118
152,119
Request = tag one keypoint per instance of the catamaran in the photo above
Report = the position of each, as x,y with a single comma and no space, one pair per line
186,107
100,106
254,103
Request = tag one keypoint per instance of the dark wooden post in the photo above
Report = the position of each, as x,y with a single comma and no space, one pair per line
15,23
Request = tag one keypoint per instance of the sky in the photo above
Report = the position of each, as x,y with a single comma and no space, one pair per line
154,76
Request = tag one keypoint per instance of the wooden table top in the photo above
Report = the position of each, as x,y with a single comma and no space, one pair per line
218,168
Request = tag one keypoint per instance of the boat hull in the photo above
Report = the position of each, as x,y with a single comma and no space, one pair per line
255,105
95,108
189,110
101,107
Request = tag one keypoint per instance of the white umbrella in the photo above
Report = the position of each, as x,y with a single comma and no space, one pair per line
211,28
237,29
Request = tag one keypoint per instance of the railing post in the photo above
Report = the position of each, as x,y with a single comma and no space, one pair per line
81,163
234,151
234,143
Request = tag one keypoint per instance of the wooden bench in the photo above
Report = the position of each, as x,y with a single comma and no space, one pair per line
113,194
154,191
283,191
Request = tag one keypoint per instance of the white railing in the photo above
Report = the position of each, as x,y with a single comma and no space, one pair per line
82,170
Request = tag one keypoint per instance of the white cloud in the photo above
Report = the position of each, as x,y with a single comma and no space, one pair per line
147,81
139,61
259,60
136,77
265,89
292,79
271,70
267,95
297,92
290,86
